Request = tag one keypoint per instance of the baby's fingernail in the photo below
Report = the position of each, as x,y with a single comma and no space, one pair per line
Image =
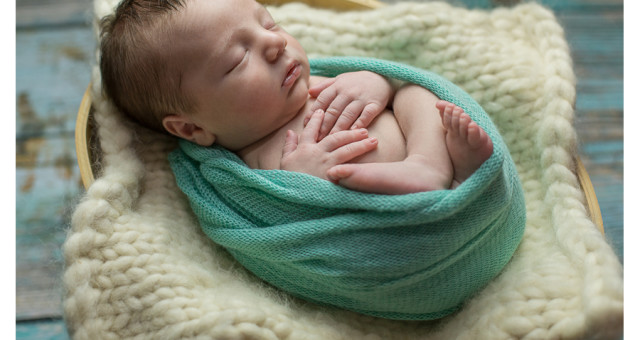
373,140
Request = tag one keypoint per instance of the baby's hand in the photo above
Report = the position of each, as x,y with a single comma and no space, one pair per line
350,100
306,154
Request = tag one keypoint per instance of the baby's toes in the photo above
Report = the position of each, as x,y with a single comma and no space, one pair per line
447,117
464,122
442,104
455,122
474,135
479,139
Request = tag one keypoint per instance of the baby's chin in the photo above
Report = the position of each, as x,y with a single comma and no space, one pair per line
300,93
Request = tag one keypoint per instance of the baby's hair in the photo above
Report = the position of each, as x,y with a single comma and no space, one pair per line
136,76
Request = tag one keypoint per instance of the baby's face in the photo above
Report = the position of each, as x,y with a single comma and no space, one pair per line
248,76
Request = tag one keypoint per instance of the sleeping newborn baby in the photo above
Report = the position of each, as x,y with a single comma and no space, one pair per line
338,188
245,84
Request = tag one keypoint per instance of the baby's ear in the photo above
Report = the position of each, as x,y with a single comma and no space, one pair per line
181,126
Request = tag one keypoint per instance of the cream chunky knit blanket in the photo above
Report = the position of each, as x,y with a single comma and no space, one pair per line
138,266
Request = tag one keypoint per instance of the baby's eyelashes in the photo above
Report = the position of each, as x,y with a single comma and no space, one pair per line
237,63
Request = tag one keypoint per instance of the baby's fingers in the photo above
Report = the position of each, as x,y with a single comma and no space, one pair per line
315,90
345,120
290,143
369,113
350,151
310,132
334,112
324,100
341,138
348,144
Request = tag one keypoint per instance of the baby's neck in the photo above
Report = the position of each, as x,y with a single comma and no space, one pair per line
263,153
273,142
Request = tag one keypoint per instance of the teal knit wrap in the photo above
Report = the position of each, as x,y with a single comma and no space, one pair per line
411,257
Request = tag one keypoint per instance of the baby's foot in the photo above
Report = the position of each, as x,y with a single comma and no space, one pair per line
413,174
468,144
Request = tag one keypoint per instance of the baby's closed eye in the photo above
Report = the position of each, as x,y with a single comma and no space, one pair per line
238,60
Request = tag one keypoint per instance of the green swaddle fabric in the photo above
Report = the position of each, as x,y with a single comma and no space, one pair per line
411,257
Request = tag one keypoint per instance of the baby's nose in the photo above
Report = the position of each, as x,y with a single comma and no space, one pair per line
275,47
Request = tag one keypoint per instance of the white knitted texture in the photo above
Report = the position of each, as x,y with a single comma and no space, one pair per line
138,266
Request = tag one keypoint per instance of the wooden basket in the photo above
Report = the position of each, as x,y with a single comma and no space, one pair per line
86,142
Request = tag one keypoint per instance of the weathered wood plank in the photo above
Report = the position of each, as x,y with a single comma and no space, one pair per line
600,135
53,68
49,329
594,31
43,13
596,42
45,196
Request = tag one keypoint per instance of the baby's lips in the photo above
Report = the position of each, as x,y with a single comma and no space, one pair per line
293,72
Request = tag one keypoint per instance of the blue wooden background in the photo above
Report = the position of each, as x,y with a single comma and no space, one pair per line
54,50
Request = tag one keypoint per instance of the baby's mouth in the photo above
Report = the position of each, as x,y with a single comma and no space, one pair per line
293,72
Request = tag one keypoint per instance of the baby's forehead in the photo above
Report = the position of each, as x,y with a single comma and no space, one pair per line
186,44
204,31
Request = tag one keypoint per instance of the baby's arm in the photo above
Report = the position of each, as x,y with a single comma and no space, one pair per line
350,100
305,154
